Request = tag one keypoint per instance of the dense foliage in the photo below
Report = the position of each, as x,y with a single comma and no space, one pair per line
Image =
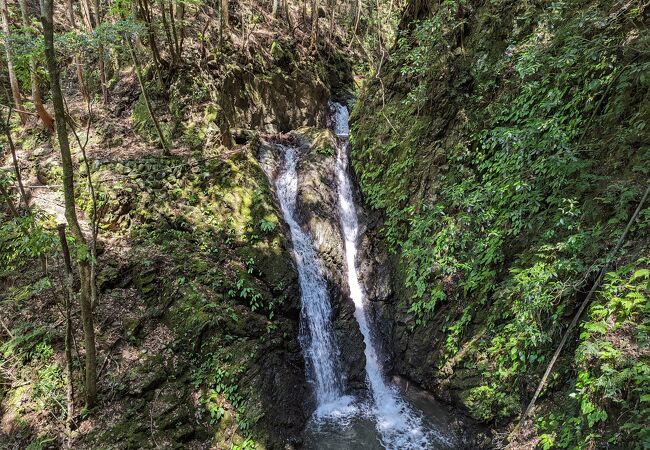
506,154
195,310
501,145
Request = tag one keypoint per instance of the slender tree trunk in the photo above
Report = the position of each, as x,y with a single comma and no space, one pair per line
356,23
225,15
100,60
92,19
145,14
87,15
138,73
47,11
69,397
12,147
19,177
167,29
46,117
314,24
175,37
274,9
102,75
380,33
94,294
287,14
13,80
67,298
76,58
180,20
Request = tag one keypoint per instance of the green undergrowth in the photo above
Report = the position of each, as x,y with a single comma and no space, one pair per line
612,388
505,162
211,267
206,261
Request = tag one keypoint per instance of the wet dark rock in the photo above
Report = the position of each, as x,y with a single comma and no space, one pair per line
318,207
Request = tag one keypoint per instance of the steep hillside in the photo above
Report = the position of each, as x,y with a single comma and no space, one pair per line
502,150
499,149
198,316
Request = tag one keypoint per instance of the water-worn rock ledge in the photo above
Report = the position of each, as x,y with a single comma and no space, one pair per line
317,207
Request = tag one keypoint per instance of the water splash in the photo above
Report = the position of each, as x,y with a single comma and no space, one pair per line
398,425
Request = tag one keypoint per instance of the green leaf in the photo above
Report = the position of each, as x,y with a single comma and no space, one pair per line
641,273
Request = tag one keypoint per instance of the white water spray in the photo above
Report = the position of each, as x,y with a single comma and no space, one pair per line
321,353
398,425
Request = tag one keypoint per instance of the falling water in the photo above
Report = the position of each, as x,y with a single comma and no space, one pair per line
399,426
321,354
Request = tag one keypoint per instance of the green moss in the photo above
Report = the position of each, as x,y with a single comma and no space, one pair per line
145,126
322,141
219,302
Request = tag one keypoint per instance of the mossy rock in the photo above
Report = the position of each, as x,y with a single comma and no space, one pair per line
148,376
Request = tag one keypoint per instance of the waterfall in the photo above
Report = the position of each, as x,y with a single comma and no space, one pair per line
316,337
398,425
395,424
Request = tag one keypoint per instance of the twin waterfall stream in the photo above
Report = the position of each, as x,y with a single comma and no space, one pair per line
383,418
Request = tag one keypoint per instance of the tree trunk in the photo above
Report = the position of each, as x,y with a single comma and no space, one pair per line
76,58
102,75
166,28
175,37
100,64
314,24
19,177
287,14
145,14
37,98
13,80
357,19
47,11
68,296
87,15
94,294
274,9
225,15
138,73
92,19
12,147
179,11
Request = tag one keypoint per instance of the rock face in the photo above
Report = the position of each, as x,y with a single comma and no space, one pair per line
214,326
317,203
476,312
375,276
279,103
291,95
